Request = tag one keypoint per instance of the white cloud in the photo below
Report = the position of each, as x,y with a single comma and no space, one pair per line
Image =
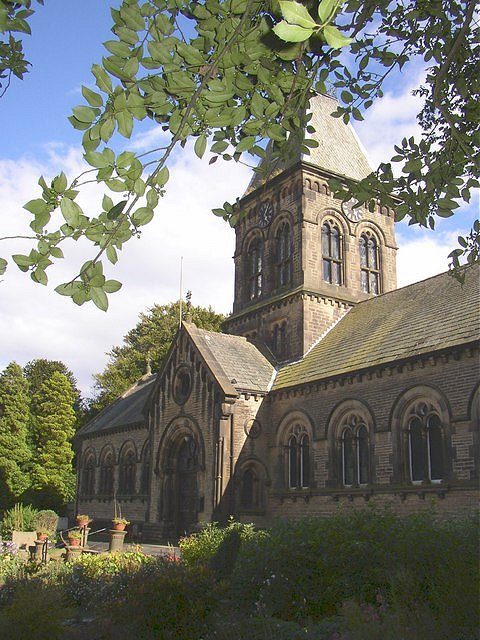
35,322
390,119
423,256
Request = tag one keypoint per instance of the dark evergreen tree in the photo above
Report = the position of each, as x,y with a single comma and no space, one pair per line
39,370
14,451
53,478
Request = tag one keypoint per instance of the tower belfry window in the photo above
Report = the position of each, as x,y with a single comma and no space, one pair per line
284,255
255,260
369,264
332,261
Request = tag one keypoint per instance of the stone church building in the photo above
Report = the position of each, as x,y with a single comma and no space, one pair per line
330,387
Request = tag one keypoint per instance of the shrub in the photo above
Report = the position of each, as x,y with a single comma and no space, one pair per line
19,518
9,559
304,571
165,600
46,520
34,612
257,627
199,548
94,579
225,557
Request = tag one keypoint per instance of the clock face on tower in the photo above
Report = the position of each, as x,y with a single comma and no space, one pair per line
353,214
265,213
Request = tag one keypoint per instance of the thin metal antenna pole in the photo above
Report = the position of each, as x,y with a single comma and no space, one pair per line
181,286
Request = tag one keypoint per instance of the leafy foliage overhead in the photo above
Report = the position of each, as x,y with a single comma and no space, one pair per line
231,74
13,20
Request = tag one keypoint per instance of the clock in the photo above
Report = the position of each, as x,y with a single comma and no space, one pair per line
352,212
265,213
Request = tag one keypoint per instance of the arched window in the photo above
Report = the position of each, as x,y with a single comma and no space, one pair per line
128,470
298,458
284,255
249,490
369,264
88,477
145,477
255,268
279,340
106,474
332,261
425,444
355,452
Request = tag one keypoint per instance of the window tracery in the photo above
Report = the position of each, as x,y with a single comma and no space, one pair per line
88,477
425,444
128,469
332,258
369,264
354,452
255,268
298,458
107,474
284,255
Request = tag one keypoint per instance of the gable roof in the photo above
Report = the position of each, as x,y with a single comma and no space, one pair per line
427,316
234,361
125,411
339,150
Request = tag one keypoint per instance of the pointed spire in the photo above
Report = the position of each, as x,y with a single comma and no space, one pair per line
339,150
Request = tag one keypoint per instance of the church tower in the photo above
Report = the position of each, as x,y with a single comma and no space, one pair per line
302,258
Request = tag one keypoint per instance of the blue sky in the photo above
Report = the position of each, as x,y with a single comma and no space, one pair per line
36,138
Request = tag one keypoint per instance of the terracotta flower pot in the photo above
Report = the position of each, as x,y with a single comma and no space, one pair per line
119,526
83,523
74,542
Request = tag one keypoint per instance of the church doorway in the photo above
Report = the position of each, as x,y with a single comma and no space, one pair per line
186,507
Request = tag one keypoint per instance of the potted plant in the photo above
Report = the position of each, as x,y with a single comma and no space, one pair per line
118,521
119,524
83,520
46,522
74,537
42,534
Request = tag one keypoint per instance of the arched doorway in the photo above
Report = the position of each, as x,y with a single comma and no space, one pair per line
186,502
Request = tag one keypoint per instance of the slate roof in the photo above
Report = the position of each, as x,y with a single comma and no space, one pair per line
125,411
236,363
433,314
339,150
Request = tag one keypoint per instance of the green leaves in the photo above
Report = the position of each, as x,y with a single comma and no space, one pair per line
92,285
71,211
327,10
292,32
299,26
142,216
296,14
200,145
334,38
